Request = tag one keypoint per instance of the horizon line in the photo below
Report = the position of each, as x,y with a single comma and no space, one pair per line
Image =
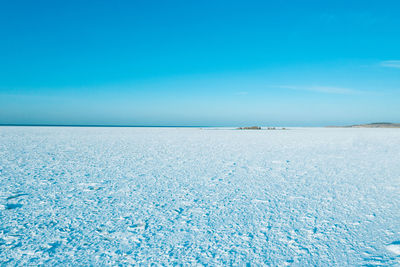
161,126
101,125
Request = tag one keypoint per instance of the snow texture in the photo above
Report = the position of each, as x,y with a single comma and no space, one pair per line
108,196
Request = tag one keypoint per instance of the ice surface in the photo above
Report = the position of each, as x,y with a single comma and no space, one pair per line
107,196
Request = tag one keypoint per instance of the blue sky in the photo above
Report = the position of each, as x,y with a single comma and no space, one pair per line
226,63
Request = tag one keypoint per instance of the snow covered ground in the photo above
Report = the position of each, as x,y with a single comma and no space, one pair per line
99,196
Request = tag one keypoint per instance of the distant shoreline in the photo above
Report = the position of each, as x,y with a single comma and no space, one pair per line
370,125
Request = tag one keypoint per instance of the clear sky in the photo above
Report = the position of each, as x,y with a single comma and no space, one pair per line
223,63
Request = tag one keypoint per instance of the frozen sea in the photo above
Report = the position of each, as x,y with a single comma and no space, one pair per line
122,196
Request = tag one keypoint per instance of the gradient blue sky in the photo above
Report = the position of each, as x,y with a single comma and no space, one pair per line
226,63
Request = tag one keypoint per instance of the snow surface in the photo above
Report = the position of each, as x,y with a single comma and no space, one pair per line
106,196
